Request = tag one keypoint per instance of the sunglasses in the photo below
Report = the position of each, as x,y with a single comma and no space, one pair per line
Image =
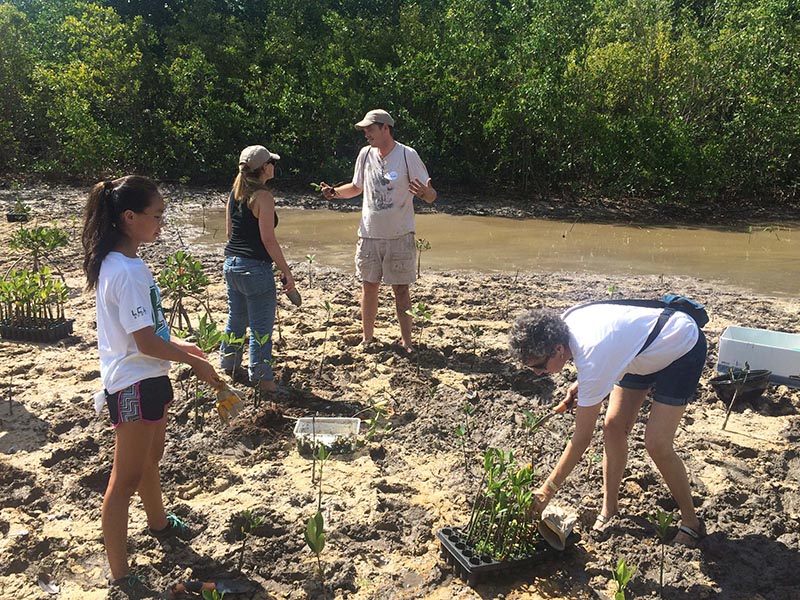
541,365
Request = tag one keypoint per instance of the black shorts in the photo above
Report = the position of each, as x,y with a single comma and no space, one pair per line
145,400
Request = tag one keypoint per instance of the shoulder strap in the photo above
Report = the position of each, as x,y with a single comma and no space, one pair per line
666,313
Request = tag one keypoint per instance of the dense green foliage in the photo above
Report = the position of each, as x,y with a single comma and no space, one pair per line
688,98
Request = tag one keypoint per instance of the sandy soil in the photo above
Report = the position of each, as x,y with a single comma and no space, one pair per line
384,502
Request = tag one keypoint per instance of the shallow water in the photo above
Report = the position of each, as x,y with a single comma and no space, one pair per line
764,259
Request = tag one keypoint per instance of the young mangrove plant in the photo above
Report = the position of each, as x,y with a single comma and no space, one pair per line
315,527
182,279
464,434
328,308
662,521
260,340
250,521
739,384
622,575
421,313
499,525
423,245
378,423
208,338
213,595
38,244
310,260
475,331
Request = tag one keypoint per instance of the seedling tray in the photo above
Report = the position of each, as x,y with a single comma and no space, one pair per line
337,434
474,568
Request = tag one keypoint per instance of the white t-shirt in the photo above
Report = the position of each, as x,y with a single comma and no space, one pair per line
387,210
127,300
605,340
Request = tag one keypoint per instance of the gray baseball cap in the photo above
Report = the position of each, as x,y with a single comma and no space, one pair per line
375,116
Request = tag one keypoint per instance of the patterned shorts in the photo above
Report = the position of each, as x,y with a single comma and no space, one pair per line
145,400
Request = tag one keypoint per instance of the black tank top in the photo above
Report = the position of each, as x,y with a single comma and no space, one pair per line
245,240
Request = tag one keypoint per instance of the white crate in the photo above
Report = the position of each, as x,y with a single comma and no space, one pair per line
761,349
338,434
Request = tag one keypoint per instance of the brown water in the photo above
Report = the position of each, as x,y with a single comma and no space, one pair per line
765,260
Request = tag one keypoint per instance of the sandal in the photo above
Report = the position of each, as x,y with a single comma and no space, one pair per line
694,536
604,523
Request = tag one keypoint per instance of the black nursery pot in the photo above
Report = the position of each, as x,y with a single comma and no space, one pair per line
49,333
475,568
16,217
752,389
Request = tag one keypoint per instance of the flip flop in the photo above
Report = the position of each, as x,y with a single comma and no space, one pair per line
695,535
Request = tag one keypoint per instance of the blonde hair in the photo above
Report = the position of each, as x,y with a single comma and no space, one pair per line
247,183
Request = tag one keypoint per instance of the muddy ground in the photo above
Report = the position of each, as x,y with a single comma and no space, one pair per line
384,502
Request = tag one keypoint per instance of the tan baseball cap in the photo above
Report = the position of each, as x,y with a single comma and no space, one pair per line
375,116
255,157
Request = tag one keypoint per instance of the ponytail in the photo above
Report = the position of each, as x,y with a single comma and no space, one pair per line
246,184
108,200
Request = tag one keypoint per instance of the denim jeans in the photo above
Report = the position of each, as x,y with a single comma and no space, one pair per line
251,303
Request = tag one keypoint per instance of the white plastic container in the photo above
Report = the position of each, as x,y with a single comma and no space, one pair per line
338,434
761,349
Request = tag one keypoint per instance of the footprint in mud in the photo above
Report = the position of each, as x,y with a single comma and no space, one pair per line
20,489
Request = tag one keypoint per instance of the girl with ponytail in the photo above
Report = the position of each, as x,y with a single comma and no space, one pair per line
135,350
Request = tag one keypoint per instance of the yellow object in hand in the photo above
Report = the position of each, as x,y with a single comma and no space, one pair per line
229,403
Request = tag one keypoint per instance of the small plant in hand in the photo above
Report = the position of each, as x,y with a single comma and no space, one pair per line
500,525
182,279
622,575
423,245
208,338
662,521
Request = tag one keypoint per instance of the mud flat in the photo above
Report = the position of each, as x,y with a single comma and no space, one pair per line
384,502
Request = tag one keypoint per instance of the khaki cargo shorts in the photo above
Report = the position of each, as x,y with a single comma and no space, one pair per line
394,261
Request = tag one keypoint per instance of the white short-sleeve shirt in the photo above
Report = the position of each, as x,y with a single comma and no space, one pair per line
387,210
128,300
605,340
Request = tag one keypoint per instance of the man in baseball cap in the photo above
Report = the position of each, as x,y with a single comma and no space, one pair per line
389,174
375,116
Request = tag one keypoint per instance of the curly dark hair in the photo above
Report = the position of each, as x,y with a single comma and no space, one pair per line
536,333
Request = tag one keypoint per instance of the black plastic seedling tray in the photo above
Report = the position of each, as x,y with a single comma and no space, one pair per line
474,568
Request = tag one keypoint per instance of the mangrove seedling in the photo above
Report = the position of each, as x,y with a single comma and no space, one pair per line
737,388
250,521
378,422
39,243
310,260
213,595
500,523
421,313
422,246
475,331
315,539
208,338
662,521
183,278
328,308
260,340
622,575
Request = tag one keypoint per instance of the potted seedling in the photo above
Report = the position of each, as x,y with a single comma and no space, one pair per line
19,213
32,306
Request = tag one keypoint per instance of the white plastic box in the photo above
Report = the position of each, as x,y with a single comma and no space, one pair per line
761,349
338,434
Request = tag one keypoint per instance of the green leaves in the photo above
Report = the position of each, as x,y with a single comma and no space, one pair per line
315,533
622,575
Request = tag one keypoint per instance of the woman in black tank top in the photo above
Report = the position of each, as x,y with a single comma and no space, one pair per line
250,253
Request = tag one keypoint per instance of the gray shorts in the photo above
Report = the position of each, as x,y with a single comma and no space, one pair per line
394,261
